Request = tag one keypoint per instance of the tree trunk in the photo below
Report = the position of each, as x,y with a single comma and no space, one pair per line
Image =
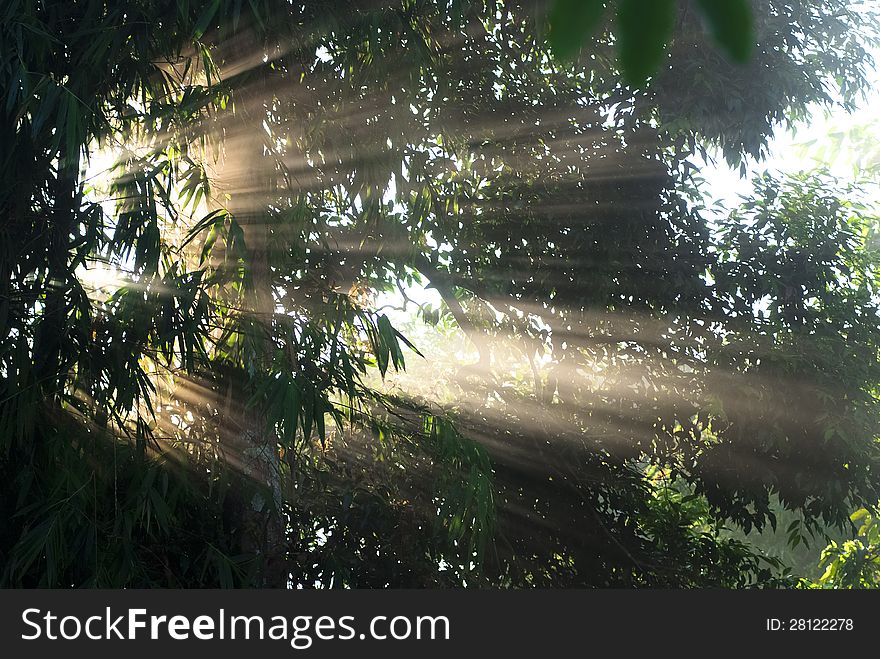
262,522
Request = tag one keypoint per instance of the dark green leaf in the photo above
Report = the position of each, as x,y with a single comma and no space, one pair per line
571,23
730,22
644,27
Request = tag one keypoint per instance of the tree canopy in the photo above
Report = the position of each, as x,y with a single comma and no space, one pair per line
200,383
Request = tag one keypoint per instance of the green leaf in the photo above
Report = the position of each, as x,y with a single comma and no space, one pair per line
858,515
210,240
388,337
730,22
205,18
291,412
571,23
644,28
409,343
210,220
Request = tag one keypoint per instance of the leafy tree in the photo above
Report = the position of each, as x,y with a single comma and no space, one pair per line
853,563
217,414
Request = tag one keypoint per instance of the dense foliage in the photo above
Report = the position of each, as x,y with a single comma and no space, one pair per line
641,373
